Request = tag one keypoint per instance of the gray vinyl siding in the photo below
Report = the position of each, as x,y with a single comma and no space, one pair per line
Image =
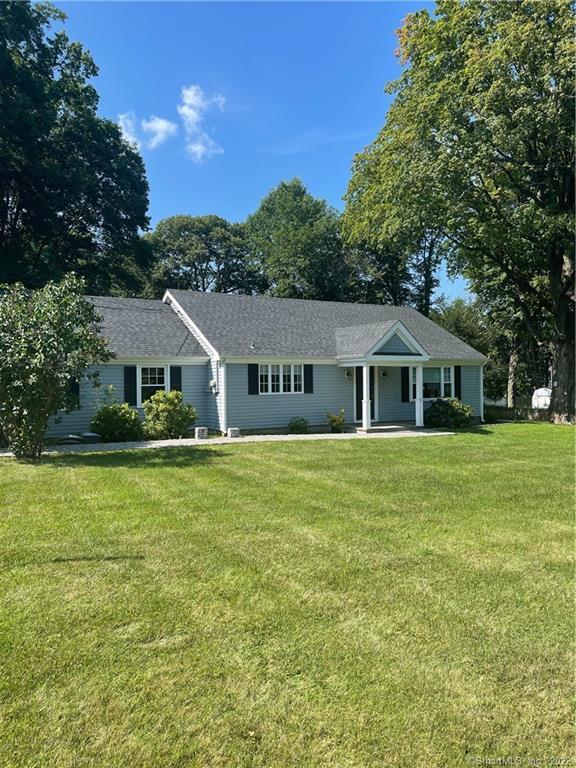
332,391
395,346
471,378
390,405
194,391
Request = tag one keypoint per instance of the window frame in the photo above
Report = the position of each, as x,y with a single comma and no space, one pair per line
139,369
281,366
443,381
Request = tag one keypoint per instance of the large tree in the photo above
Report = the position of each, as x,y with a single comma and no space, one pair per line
479,143
202,253
296,238
73,192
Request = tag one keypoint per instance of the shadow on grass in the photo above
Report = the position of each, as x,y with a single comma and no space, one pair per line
145,458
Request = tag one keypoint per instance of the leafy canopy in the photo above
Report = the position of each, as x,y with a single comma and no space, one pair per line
73,192
48,338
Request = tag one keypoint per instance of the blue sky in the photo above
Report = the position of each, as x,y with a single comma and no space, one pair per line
228,99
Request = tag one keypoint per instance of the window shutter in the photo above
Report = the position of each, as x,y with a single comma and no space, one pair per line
176,377
74,391
405,384
130,384
458,381
309,379
252,378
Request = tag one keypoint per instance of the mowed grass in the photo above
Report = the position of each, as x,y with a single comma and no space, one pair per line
348,603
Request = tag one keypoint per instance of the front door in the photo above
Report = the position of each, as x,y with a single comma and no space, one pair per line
359,379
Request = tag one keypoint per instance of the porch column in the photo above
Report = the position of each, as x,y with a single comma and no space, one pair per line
366,397
419,397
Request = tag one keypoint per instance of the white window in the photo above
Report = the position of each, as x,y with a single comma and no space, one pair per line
152,379
276,379
436,382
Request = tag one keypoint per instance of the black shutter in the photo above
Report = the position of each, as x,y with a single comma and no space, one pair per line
74,391
130,384
405,384
458,381
253,378
309,379
176,377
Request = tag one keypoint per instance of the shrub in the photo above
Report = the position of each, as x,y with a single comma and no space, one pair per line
167,417
336,421
298,425
448,412
48,338
117,423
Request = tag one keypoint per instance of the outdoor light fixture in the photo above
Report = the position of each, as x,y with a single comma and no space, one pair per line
384,373
347,374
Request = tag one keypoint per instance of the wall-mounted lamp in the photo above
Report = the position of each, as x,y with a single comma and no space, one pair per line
348,374
384,373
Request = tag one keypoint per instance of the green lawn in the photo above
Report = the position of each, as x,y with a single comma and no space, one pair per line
351,603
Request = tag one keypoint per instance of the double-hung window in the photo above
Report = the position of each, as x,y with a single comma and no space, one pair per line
280,379
152,379
436,382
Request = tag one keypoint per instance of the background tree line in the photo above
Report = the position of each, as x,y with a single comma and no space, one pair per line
473,169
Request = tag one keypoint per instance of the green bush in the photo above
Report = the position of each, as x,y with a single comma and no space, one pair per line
336,421
166,417
298,425
117,423
448,412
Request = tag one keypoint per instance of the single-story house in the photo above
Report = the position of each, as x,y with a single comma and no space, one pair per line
254,362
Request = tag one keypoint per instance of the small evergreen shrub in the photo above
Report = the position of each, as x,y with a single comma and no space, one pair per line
448,412
117,423
166,417
298,425
336,421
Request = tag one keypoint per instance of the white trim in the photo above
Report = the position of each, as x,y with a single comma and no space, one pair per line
294,360
224,400
281,382
482,393
397,361
167,383
190,324
442,382
419,406
399,329
366,403
158,361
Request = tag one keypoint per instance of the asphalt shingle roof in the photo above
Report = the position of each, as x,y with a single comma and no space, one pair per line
253,326
144,328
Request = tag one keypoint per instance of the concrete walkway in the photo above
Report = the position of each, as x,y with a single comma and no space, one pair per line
185,442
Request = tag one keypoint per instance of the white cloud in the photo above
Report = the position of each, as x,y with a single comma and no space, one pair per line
127,123
192,109
159,129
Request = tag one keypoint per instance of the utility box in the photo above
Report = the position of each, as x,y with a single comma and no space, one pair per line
201,433
233,432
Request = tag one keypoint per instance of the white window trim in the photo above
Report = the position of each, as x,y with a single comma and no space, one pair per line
281,391
139,402
442,382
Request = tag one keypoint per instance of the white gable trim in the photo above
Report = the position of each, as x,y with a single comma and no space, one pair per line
398,329
192,327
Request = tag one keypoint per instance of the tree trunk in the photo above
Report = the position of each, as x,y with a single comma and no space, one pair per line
562,406
512,366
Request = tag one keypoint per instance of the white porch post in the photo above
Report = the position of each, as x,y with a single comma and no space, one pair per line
366,397
419,397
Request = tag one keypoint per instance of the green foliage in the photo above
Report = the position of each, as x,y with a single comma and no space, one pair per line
296,239
203,253
167,417
336,421
117,423
298,425
448,412
48,338
478,145
73,192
